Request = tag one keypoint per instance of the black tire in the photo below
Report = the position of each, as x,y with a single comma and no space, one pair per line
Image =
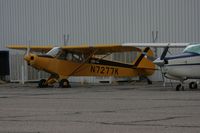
193,85
149,81
41,83
182,88
64,83
178,87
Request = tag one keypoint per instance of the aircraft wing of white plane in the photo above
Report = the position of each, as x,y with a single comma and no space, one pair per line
157,44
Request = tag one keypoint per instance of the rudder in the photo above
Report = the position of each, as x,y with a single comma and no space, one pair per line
142,62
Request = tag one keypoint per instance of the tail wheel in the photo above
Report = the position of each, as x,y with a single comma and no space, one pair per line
64,83
193,85
42,83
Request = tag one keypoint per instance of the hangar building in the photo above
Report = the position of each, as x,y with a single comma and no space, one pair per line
39,22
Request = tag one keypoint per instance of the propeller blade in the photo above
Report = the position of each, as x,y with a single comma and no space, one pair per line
159,62
164,53
28,50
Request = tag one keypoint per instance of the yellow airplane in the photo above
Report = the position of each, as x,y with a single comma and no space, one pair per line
62,62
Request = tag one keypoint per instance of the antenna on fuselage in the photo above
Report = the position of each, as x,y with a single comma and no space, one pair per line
154,40
65,39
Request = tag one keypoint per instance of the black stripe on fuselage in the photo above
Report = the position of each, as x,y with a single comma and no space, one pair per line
141,56
109,63
184,55
46,56
100,62
194,64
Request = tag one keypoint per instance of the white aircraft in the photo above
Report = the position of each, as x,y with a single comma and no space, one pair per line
181,66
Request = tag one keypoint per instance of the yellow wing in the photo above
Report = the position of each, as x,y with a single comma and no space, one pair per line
100,48
36,48
84,49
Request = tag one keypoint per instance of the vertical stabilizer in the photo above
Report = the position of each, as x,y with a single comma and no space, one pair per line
144,63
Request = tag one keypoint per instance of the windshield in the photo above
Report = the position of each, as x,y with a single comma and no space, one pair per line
193,48
54,51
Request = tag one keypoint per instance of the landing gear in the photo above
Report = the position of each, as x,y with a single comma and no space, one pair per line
193,85
42,83
64,83
179,87
149,82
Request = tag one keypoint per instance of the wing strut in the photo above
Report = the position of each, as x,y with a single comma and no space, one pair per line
77,68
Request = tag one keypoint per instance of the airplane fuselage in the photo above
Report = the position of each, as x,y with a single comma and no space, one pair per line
185,66
92,67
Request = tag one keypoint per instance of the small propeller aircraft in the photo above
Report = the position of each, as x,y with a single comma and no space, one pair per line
181,66
65,61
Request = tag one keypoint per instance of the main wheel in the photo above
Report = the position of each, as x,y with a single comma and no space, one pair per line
42,84
193,85
179,86
64,83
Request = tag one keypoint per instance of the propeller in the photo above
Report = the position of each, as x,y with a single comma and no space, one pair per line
27,54
164,53
28,49
161,62
66,39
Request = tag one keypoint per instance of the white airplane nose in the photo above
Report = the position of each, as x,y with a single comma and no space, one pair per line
159,62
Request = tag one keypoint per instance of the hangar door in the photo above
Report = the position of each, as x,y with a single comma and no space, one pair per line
4,64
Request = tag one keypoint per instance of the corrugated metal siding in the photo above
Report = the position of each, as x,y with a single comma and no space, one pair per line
98,21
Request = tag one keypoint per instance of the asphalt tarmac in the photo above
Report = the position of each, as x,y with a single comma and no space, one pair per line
100,108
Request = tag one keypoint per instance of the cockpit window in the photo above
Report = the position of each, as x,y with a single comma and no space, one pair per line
54,51
193,48
65,55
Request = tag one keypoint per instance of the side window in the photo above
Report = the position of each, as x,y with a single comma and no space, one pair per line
71,56
65,56
77,57
62,56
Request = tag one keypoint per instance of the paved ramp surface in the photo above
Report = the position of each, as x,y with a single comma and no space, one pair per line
124,108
